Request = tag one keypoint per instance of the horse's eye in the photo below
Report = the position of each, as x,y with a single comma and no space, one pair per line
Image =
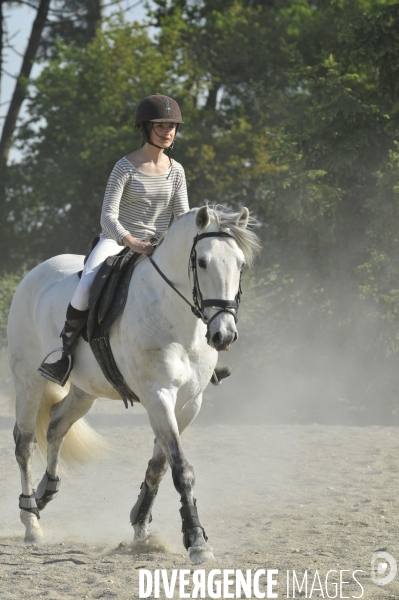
202,263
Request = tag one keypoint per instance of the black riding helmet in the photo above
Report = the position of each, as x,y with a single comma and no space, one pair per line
156,109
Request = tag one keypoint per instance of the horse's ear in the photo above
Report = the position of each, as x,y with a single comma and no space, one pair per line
242,220
202,219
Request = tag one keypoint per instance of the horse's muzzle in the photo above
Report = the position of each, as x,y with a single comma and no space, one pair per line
222,341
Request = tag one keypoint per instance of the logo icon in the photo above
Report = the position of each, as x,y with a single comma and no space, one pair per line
167,105
383,568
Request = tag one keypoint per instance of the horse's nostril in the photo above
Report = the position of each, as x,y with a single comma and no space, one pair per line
217,339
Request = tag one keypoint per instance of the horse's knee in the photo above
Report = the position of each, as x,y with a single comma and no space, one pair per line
183,478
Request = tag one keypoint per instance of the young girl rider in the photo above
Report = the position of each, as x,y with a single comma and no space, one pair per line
144,189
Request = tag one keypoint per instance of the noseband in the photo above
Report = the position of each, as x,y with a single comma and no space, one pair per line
199,304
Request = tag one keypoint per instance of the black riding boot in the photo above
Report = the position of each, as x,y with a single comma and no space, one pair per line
219,374
74,325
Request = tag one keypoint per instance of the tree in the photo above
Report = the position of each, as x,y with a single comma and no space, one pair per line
20,90
44,40
291,109
71,22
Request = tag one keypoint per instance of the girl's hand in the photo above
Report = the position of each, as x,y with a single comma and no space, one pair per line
137,245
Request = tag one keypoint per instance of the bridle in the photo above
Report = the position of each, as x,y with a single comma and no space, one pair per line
199,304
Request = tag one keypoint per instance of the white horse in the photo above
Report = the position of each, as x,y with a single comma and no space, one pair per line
166,356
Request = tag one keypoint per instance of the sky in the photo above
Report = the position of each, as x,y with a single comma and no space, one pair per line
19,20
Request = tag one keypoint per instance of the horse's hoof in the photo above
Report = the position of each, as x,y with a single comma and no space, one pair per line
199,554
33,531
141,533
33,539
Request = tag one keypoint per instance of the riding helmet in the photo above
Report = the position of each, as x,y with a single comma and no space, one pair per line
158,108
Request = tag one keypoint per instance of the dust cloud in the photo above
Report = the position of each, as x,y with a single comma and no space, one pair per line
307,363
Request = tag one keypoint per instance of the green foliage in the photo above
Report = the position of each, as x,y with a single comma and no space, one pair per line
8,284
290,107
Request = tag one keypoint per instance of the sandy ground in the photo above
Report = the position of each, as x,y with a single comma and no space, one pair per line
288,497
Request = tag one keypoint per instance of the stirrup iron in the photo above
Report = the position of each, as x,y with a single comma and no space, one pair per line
62,381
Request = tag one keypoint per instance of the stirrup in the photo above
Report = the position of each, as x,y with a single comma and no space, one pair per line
219,374
64,379
214,379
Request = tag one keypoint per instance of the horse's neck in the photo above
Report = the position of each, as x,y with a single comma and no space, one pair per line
172,257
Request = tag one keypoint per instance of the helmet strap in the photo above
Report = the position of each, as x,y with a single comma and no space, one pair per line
152,144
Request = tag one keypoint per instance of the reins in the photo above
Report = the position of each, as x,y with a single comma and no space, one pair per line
194,310
199,304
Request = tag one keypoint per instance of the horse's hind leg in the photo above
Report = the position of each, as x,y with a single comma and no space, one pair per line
28,398
63,415
140,515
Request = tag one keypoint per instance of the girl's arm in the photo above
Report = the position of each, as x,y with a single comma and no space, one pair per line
110,210
180,198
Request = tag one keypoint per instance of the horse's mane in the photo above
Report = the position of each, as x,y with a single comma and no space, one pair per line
226,220
247,240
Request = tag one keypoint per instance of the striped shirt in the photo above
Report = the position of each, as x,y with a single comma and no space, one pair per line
140,204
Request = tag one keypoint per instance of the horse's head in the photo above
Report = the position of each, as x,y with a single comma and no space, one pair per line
219,253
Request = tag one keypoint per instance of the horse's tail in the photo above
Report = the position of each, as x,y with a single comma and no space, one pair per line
81,444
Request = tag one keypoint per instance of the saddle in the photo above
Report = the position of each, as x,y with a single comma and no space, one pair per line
107,300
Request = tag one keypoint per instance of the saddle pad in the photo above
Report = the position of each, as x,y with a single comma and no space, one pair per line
108,297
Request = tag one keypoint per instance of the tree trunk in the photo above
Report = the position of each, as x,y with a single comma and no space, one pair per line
1,42
94,16
212,97
20,90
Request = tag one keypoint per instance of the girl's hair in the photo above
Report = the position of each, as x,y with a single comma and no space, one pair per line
145,128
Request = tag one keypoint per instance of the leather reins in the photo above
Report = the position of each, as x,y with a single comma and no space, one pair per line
199,304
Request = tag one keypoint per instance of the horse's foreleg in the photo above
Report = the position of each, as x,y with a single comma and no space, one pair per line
167,427
63,415
140,516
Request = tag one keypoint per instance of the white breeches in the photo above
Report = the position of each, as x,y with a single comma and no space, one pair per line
105,247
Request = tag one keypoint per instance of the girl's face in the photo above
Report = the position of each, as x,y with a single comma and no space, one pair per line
163,134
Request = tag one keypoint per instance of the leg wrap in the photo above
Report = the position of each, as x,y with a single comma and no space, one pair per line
47,489
28,503
189,515
143,505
